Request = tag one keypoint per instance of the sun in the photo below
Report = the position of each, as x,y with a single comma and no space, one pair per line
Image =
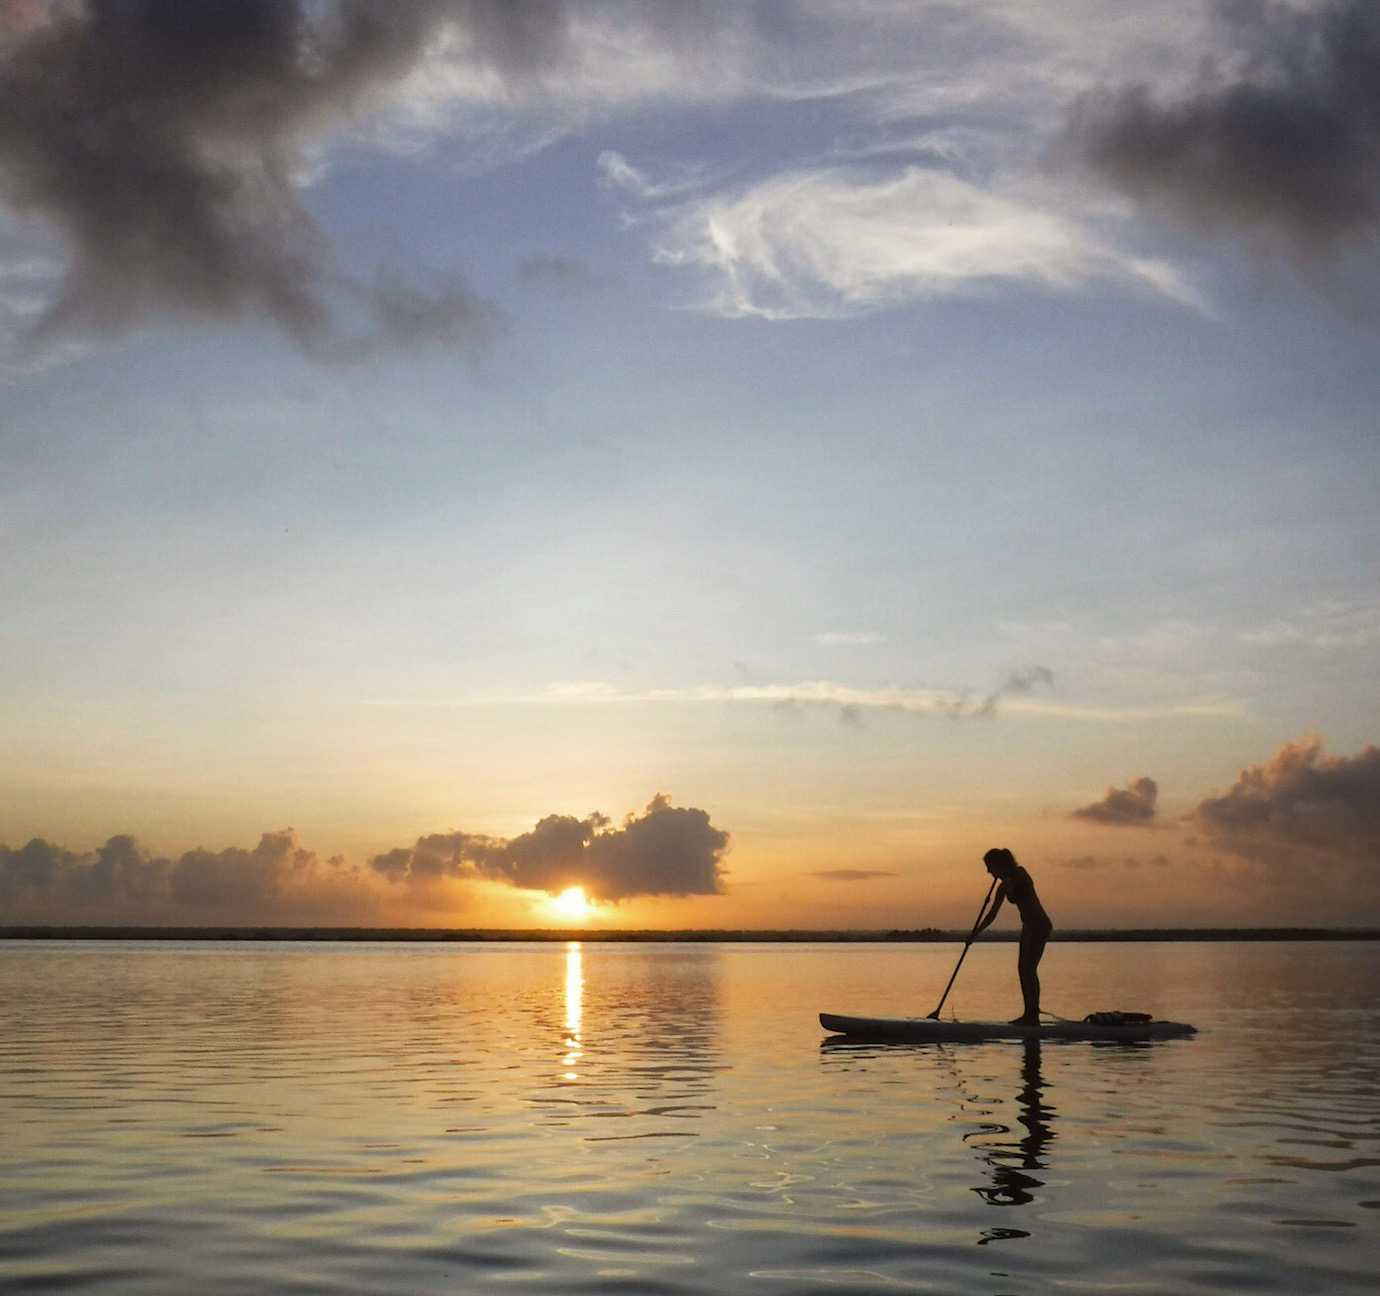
571,904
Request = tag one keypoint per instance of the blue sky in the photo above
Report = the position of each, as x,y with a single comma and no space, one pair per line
874,424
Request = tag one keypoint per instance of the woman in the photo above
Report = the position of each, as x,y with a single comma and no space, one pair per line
1017,886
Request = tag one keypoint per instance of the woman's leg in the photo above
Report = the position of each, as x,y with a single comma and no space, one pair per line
1032,950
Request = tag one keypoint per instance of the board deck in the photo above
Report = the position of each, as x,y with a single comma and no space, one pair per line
922,1030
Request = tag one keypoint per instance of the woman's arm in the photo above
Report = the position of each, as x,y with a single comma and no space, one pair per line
986,920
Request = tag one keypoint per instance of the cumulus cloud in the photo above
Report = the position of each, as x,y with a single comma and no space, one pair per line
1281,141
840,241
667,851
165,144
1301,813
1130,807
278,881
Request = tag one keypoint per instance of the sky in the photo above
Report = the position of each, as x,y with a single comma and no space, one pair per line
740,459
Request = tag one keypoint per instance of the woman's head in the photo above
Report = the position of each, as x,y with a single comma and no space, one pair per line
999,861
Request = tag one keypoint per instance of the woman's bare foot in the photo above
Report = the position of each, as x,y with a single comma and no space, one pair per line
1025,1020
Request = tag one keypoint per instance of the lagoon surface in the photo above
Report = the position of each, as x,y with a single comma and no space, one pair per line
216,1118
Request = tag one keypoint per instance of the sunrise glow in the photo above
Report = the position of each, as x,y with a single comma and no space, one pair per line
571,905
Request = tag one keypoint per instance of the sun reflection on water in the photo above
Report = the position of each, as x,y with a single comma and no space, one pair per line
574,1006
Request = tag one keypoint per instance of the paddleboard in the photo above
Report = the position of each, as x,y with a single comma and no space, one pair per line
923,1030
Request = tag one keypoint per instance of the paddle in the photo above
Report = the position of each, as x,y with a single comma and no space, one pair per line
934,1016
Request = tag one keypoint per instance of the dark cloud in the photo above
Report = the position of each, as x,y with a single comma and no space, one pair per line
1130,807
410,309
123,875
1301,813
1286,149
219,880
164,143
851,875
669,850
277,881
549,858
33,872
1017,684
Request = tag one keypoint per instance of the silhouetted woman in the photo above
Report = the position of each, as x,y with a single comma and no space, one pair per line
1017,886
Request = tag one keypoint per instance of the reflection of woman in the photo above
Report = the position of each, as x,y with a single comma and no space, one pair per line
1018,887
1011,1184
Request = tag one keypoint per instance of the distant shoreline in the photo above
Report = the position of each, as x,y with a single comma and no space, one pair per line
924,935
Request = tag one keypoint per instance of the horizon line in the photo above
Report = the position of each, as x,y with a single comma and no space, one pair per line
682,935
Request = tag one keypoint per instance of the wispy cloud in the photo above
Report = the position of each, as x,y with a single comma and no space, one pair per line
1324,626
1012,697
839,241
850,875
1083,863
618,173
1092,863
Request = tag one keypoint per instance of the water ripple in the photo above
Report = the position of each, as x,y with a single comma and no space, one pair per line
649,1119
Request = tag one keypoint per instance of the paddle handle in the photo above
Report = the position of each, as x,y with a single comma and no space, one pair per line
972,937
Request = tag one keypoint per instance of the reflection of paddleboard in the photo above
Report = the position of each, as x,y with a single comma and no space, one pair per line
920,1030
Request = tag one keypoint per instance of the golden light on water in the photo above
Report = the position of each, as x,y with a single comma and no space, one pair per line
574,1006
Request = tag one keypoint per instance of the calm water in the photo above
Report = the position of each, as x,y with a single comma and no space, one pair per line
667,1118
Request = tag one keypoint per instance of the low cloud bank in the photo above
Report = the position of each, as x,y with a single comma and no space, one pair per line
1301,814
1295,836
1130,807
278,881
667,851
